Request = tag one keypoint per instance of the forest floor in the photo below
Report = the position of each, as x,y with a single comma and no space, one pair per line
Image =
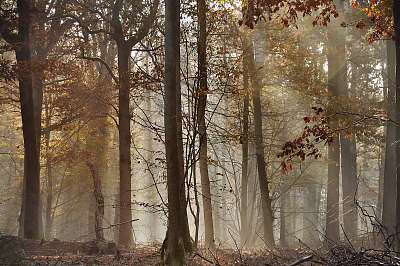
14,251
150,255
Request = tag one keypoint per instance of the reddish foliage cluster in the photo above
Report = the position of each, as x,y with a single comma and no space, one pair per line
316,131
379,17
287,11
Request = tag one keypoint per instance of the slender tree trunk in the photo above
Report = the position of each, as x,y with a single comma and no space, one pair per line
244,229
202,104
183,173
31,192
396,15
259,143
336,81
49,175
389,184
175,249
347,145
124,129
382,157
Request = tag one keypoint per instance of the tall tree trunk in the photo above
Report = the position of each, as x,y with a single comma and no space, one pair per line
244,227
31,192
175,241
259,143
202,104
183,173
389,184
382,157
336,81
49,174
124,129
396,15
347,144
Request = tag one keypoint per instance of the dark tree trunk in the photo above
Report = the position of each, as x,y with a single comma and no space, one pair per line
396,15
382,157
336,85
244,229
124,129
202,104
49,175
389,184
183,173
175,241
31,192
259,143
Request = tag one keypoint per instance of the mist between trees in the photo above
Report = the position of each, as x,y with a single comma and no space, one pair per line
245,125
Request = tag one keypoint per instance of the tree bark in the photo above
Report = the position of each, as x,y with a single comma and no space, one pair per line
124,130
202,128
382,151
336,83
396,15
49,175
259,143
389,184
31,191
244,229
175,249
348,147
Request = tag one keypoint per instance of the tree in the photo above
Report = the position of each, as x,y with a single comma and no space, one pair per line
244,219
202,127
124,47
22,45
45,32
175,241
396,16
389,183
348,149
336,83
257,85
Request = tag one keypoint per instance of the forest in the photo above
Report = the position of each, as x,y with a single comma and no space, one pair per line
195,132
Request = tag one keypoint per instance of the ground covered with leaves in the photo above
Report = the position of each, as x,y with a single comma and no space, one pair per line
14,251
